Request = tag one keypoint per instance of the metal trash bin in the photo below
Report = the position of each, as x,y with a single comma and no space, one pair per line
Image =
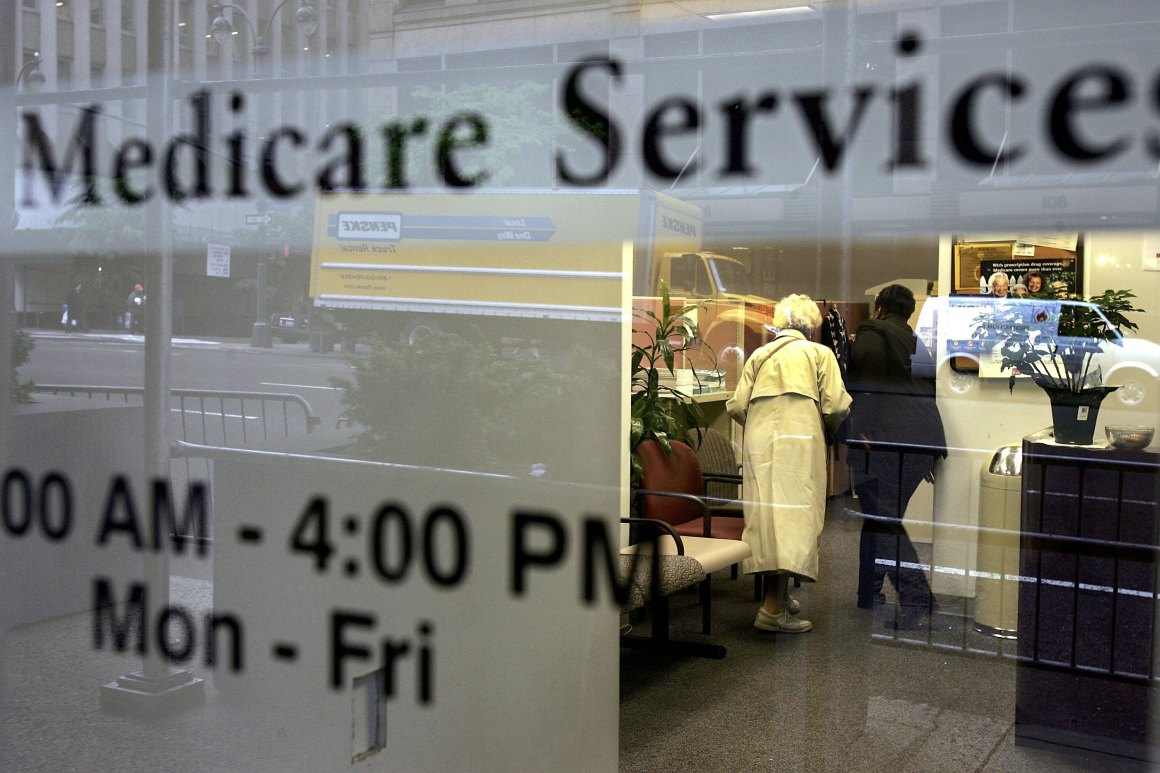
996,611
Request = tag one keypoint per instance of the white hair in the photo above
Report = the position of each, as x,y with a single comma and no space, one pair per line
798,312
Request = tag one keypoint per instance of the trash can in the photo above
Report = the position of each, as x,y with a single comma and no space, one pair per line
996,611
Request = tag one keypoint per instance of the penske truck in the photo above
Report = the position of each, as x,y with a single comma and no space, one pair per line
402,263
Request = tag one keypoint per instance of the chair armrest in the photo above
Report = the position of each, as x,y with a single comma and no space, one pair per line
721,506
648,573
662,526
727,508
722,477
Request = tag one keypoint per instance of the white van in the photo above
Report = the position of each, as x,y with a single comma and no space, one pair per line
948,324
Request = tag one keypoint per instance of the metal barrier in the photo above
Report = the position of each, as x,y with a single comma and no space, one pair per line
214,424
222,419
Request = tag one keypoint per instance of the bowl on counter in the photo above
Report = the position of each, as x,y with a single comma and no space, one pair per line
1129,437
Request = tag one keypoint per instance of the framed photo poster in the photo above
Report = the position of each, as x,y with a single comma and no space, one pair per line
1030,265
1015,268
968,265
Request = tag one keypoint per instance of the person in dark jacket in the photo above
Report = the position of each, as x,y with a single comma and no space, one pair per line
896,436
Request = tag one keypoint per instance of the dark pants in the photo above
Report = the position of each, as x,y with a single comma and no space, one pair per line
885,482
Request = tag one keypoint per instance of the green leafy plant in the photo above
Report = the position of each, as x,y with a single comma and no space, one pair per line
452,400
21,350
1054,340
661,412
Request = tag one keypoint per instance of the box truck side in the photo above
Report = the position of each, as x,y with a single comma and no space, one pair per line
398,262
519,263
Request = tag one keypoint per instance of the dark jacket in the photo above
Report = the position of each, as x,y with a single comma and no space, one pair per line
890,403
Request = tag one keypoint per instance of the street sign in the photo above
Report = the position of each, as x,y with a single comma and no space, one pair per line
217,260
258,219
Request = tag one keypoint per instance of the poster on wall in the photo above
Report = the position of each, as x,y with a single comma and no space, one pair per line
1013,269
969,258
1027,276
1061,241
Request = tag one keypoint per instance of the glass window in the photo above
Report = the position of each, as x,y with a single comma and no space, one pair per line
328,389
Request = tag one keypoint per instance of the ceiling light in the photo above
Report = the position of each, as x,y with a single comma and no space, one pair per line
791,10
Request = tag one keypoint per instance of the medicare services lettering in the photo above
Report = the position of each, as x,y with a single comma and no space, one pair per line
342,148
342,154
1086,89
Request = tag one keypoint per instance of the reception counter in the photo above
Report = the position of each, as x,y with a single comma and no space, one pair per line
1087,597
716,416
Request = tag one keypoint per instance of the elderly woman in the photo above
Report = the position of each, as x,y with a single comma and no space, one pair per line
789,394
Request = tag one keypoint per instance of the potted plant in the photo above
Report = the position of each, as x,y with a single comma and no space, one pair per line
1056,340
662,413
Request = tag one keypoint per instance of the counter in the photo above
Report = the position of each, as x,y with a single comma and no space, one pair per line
716,416
1087,597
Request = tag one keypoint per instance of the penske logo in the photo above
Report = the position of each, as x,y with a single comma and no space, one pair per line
680,226
369,226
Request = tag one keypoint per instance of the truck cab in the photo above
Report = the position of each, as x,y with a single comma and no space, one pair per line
732,320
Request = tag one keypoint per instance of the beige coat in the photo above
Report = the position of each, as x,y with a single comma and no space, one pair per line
789,392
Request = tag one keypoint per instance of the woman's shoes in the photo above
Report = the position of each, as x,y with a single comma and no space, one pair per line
792,604
780,623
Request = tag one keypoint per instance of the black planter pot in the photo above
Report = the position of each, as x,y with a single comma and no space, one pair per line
1073,414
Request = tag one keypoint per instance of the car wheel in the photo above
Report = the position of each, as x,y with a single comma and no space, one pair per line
731,359
1133,385
961,383
416,330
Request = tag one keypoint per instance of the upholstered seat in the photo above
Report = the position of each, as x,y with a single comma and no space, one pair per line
665,563
676,573
672,492
682,472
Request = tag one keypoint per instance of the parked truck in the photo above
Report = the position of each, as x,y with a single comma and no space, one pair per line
404,263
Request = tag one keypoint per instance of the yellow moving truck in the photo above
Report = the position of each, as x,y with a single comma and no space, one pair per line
400,263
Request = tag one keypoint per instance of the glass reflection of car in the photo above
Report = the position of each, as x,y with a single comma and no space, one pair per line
289,328
1131,363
